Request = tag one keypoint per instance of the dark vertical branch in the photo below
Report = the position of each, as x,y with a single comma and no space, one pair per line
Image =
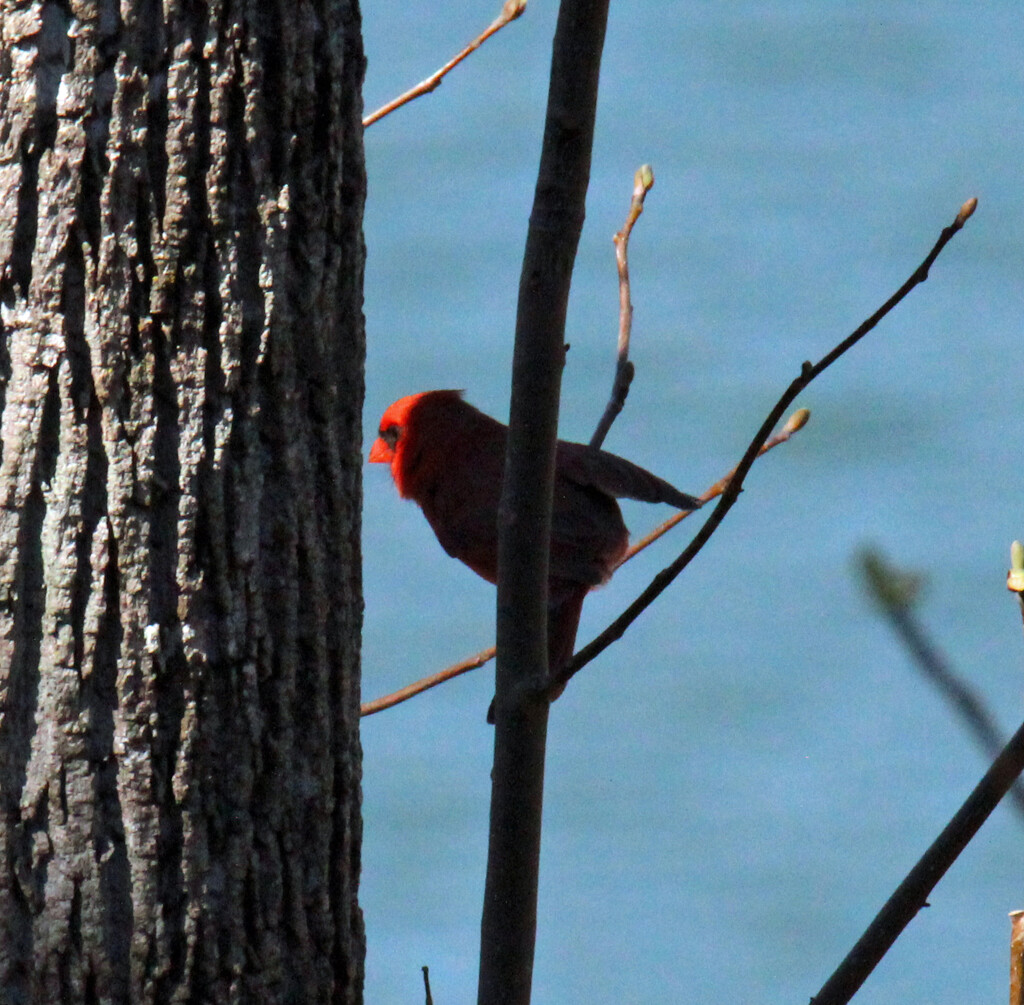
510,899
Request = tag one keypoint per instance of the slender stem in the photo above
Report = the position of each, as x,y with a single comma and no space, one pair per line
509,12
895,593
794,424
912,894
617,628
426,683
1017,958
643,180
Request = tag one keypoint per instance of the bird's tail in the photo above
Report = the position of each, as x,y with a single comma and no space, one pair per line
563,622
565,605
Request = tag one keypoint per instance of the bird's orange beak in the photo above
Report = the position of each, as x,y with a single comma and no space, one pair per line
380,452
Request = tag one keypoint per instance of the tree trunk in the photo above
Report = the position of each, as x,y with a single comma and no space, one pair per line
181,380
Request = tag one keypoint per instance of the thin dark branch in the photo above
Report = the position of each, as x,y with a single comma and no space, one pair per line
960,697
808,372
912,894
426,986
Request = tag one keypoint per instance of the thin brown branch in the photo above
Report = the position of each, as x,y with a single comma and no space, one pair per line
912,894
426,683
1017,958
732,491
795,422
895,593
643,181
509,12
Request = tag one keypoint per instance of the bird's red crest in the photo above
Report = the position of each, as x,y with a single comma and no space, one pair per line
398,431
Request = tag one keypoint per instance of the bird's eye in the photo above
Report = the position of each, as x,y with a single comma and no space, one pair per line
390,435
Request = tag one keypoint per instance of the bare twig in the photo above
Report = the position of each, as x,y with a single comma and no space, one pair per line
1015,577
796,421
426,683
509,12
728,499
1017,958
912,894
895,593
426,986
643,180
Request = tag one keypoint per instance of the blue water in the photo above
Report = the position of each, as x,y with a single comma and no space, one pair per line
737,786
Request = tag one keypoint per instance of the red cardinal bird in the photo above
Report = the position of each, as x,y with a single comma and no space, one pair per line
450,458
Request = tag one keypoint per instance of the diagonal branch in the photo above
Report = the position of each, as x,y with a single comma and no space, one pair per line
793,425
426,683
509,12
912,894
807,373
895,593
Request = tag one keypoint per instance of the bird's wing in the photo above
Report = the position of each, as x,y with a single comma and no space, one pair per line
615,476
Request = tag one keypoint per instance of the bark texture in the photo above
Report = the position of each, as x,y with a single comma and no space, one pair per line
181,367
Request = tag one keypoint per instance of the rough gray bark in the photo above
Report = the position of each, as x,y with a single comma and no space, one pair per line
181,359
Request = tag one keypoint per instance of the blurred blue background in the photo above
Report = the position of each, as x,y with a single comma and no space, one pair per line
736,787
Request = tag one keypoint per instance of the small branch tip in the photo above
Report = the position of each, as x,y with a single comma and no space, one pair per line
797,420
511,9
966,210
644,178
1015,577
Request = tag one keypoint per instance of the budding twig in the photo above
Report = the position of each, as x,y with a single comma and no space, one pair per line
643,181
1015,577
1017,958
728,499
509,12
